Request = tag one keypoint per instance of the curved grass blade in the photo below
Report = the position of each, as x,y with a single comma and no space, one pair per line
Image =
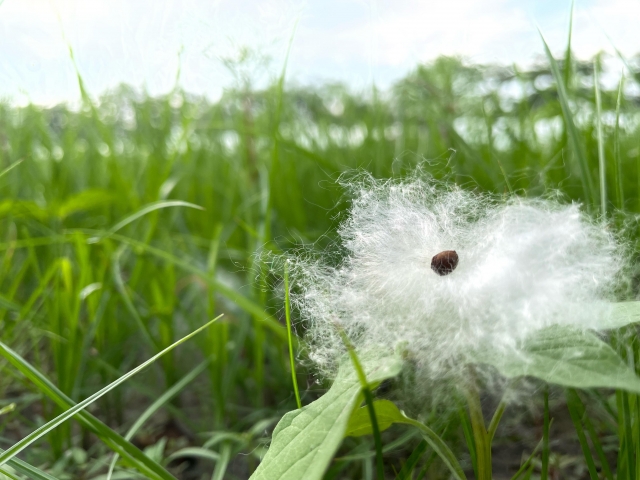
243,302
30,471
47,427
601,161
148,209
287,312
112,439
388,413
11,167
575,410
153,408
578,147
366,391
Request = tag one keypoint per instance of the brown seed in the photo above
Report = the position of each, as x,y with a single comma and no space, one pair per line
445,262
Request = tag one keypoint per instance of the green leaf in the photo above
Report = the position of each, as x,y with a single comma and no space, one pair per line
360,421
622,314
565,356
387,414
305,440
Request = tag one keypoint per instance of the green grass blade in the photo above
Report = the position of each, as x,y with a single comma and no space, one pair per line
369,401
576,411
287,310
243,302
29,470
148,209
155,406
122,290
568,63
595,441
468,437
602,173
49,426
11,167
544,473
112,439
574,135
441,449
616,149
408,467
495,420
223,463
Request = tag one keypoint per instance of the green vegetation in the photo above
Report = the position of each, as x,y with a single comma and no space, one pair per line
132,221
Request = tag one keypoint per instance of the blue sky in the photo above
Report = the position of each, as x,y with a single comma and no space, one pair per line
142,42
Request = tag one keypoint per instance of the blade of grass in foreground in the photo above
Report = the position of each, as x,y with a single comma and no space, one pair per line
47,427
578,147
29,470
164,398
113,440
574,404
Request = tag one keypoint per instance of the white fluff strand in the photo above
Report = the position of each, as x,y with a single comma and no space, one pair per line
523,265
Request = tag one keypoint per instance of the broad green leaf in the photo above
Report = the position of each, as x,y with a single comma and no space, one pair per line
621,315
305,440
565,356
360,421
387,414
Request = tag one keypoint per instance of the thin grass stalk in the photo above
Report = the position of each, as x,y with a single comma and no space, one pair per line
573,134
601,161
368,397
216,346
287,313
409,466
480,435
616,149
155,406
544,473
568,57
576,412
467,431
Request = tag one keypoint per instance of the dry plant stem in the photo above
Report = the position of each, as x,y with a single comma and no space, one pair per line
480,435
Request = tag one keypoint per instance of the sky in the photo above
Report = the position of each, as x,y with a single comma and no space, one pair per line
145,43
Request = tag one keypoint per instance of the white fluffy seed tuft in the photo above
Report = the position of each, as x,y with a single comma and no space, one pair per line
523,265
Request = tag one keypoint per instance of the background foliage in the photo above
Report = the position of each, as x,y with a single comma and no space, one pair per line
99,270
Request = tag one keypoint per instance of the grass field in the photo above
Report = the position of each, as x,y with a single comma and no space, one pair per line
131,221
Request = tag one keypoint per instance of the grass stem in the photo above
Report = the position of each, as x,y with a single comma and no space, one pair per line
287,312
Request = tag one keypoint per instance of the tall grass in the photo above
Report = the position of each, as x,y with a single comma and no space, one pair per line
101,265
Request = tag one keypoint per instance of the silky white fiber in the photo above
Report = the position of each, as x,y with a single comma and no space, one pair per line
523,265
